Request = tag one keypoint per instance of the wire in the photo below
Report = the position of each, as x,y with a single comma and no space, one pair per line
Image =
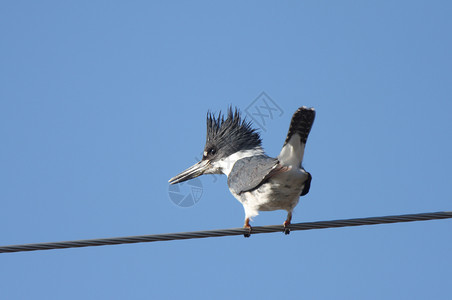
227,232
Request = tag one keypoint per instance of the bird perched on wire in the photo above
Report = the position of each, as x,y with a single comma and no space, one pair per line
259,182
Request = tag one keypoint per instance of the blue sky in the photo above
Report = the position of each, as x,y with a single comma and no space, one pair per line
101,102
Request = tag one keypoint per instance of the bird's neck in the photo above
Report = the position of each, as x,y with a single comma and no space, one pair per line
226,164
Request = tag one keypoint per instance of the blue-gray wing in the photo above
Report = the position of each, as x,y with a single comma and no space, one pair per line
249,172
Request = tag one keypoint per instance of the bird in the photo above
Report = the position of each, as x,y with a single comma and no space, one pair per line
259,182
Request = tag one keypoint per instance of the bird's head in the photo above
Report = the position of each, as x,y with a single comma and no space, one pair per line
225,136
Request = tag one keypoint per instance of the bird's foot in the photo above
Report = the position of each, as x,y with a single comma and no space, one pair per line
247,234
286,227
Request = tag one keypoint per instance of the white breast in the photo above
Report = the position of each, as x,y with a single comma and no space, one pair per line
280,192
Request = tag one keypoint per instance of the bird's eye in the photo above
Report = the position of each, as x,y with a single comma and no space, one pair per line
212,151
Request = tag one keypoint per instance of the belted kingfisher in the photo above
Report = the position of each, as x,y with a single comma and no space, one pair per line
259,182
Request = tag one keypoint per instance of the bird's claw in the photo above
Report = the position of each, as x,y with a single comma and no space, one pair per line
247,234
286,228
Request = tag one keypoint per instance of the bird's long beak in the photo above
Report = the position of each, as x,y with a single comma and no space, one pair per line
192,172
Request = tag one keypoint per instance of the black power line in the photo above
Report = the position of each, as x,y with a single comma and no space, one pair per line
227,232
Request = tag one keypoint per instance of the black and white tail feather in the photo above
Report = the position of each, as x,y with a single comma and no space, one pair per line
292,152
293,149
